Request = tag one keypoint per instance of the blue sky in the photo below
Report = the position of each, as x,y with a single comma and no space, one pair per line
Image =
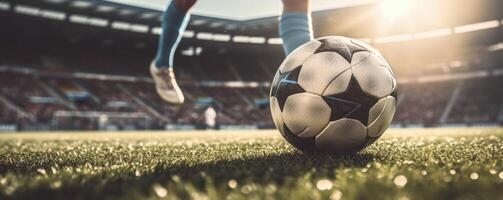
242,9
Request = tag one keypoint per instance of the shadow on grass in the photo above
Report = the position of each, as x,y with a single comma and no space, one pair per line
269,167
274,168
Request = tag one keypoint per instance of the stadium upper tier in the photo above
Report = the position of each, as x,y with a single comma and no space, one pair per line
357,18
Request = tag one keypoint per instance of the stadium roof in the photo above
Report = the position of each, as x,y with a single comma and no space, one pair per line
364,22
233,9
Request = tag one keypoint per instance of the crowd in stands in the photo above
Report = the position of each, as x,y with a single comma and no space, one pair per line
423,103
8,116
479,101
26,92
236,106
37,98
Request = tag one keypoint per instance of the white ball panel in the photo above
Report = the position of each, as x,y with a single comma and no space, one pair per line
374,78
339,85
276,115
306,114
381,115
341,136
321,69
359,57
299,56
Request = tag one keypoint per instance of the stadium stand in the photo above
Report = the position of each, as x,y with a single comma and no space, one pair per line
423,103
420,103
66,73
479,102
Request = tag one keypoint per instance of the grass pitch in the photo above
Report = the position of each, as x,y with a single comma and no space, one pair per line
404,164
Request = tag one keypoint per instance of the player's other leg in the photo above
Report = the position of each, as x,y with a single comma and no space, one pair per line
174,22
295,26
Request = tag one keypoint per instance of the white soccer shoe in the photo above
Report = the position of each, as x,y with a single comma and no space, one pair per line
165,83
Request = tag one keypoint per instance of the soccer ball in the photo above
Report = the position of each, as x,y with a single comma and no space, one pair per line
333,95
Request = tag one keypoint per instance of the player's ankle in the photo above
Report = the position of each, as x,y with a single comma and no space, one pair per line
296,6
184,5
160,64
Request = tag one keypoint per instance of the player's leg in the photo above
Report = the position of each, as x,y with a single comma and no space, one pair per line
295,24
174,22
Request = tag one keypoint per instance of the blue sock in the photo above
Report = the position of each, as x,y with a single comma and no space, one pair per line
174,23
295,29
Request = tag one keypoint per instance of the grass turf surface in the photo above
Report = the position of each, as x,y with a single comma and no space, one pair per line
404,164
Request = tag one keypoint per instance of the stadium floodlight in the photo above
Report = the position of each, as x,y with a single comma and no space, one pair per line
105,9
396,8
53,15
55,1
188,34
216,24
98,22
393,38
79,19
121,25
222,37
275,41
187,52
148,15
231,26
257,40
241,39
27,10
477,26
156,30
198,22
433,33
139,28
496,47
125,12
204,36
81,4
4,5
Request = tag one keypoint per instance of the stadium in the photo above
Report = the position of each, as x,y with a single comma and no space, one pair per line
80,117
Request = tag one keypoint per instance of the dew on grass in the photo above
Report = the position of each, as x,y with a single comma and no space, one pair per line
246,189
474,176
324,184
160,190
400,181
42,171
336,195
271,188
232,184
408,162
56,184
